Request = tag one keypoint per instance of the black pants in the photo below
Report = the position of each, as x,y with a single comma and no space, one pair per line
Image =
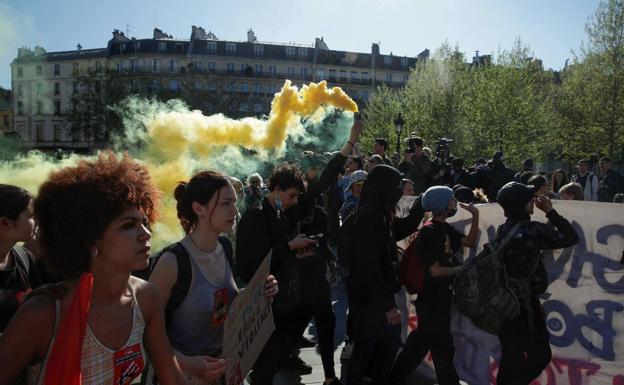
433,333
283,342
525,353
375,343
318,297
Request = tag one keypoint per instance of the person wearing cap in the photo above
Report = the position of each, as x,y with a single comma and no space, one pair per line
525,338
588,181
370,238
356,180
499,175
438,242
379,147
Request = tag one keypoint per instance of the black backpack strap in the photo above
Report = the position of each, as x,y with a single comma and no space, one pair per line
227,248
183,280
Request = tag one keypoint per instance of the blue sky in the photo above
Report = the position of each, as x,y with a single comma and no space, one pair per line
405,27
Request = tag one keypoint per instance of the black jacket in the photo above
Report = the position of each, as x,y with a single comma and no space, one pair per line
261,229
373,278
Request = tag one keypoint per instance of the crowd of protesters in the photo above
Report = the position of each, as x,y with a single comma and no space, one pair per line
86,236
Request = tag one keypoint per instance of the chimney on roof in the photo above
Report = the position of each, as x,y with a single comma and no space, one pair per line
251,36
39,50
197,33
375,49
159,34
119,36
320,44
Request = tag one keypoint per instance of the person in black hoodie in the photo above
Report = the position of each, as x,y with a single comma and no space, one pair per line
282,225
525,347
373,279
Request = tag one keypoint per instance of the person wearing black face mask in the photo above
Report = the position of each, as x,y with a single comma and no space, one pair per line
438,243
371,233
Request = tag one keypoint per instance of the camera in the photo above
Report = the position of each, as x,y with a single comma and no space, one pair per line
442,147
412,141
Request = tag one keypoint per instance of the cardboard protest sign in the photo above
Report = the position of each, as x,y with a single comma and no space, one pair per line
248,326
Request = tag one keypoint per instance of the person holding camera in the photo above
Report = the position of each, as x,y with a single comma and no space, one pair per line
416,165
289,215
442,169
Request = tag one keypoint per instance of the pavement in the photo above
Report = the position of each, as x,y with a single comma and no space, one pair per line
424,375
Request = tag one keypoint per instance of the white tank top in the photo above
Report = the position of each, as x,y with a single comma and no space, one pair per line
100,365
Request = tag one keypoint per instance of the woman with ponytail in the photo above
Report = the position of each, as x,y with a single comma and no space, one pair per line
100,324
206,208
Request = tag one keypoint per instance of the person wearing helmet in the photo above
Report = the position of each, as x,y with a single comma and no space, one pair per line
437,244
525,339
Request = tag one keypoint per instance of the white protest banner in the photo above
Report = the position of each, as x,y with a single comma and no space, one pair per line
584,303
248,326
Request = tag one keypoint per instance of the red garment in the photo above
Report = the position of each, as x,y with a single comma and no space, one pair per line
63,367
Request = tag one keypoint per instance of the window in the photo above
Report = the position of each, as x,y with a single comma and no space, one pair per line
39,70
230,68
57,69
155,86
258,88
179,49
198,65
343,75
303,72
364,75
273,70
244,87
120,66
243,68
133,65
39,132
332,74
134,85
320,74
39,89
230,48
388,60
20,72
57,107
198,85
404,62
57,88
258,107
259,69
244,107
39,106
230,87
354,76
303,52
5,120
388,78
156,65
211,47
290,51
211,66
271,89
172,65
291,70
20,108
57,132
258,49
212,86
20,90
174,85
162,46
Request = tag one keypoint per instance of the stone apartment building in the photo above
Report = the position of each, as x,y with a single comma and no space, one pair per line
43,82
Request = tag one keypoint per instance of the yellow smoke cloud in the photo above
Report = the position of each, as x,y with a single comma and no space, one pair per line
181,142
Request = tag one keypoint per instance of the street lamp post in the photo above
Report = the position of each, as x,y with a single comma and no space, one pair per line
398,124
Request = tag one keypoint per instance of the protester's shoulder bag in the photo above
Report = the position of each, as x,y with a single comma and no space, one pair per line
482,292
411,268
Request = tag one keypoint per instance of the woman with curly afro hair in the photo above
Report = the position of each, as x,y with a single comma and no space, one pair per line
98,325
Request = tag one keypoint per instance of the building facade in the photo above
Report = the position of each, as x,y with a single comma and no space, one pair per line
43,83
6,114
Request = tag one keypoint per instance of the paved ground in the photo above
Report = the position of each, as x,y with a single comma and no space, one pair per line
423,376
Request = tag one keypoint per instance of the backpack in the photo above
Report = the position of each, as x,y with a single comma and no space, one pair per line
185,273
411,269
481,290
